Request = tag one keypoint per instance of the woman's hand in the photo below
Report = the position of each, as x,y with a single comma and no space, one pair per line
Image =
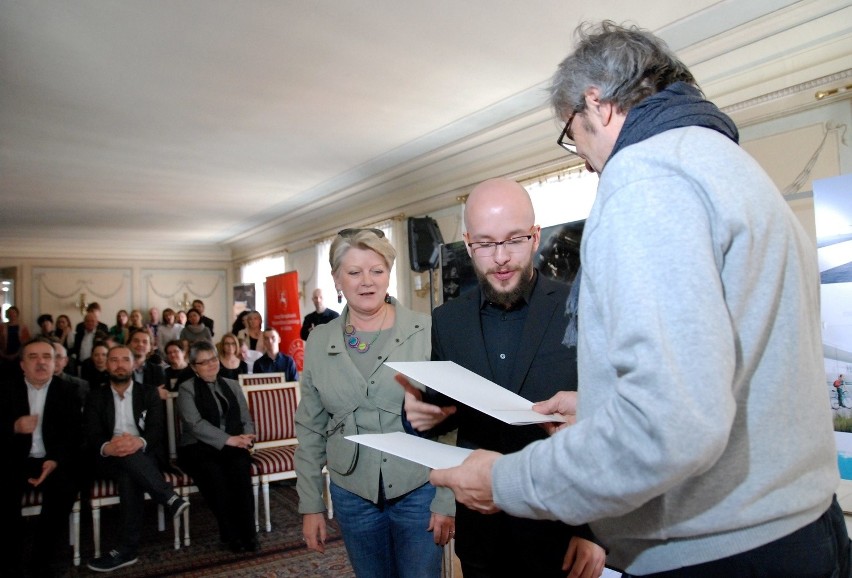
244,441
314,531
443,528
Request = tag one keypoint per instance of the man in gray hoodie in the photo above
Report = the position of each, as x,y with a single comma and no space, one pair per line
699,298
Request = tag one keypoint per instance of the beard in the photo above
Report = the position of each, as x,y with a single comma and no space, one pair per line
510,297
119,376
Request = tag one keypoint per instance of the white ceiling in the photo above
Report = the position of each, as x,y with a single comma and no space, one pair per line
240,125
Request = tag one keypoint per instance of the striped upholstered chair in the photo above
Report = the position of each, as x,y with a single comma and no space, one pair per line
273,407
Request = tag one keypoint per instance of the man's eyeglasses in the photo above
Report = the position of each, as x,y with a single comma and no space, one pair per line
488,248
206,362
352,232
566,138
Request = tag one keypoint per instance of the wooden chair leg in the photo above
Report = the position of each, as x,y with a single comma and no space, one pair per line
265,485
186,523
75,532
96,529
255,482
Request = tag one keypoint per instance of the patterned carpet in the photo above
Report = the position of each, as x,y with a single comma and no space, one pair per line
282,551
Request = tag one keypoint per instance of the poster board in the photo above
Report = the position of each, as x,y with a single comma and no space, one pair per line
283,312
833,216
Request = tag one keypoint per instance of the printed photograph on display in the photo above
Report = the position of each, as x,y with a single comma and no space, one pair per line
833,219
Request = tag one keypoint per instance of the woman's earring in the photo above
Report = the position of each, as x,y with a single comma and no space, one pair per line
339,296
387,297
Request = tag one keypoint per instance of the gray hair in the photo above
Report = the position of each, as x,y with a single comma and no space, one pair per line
360,239
627,64
199,346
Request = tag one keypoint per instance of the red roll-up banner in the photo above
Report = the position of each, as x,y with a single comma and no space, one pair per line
283,313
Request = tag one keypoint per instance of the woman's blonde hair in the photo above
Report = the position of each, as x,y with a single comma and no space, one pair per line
370,239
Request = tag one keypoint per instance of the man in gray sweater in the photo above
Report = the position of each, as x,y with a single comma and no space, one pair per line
699,299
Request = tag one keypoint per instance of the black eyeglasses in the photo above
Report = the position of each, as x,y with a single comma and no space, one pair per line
488,248
566,138
352,232
206,362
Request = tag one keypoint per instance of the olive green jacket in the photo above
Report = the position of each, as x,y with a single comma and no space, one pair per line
337,402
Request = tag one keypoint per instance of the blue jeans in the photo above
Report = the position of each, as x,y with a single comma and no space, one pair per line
388,539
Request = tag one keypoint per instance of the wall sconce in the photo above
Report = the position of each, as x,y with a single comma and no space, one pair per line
81,304
185,304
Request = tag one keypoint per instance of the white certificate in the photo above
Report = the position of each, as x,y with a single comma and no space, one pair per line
473,390
431,454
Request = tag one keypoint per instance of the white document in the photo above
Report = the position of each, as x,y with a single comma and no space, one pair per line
431,454
473,390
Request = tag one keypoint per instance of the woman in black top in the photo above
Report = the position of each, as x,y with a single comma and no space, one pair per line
230,364
178,369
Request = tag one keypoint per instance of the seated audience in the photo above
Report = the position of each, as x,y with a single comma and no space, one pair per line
195,330
94,369
273,361
217,435
168,330
178,370
89,331
145,369
12,334
125,428
253,332
95,308
198,305
239,322
61,363
120,330
230,363
46,328
41,428
153,325
64,332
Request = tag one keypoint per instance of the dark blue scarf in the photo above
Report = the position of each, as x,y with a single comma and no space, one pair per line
679,105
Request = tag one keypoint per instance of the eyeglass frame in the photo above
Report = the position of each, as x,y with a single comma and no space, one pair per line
493,245
207,362
571,147
346,233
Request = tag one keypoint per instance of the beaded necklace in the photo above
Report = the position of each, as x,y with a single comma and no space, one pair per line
354,341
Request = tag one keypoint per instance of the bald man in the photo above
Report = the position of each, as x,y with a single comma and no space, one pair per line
509,331
321,316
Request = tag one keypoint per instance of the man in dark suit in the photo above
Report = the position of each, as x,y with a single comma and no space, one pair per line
145,369
125,426
87,332
41,435
510,331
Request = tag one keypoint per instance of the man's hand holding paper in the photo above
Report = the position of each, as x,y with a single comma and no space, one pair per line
421,415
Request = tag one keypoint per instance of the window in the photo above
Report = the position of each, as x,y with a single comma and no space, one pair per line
564,197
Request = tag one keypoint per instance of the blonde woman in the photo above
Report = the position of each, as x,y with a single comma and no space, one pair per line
230,363
392,519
